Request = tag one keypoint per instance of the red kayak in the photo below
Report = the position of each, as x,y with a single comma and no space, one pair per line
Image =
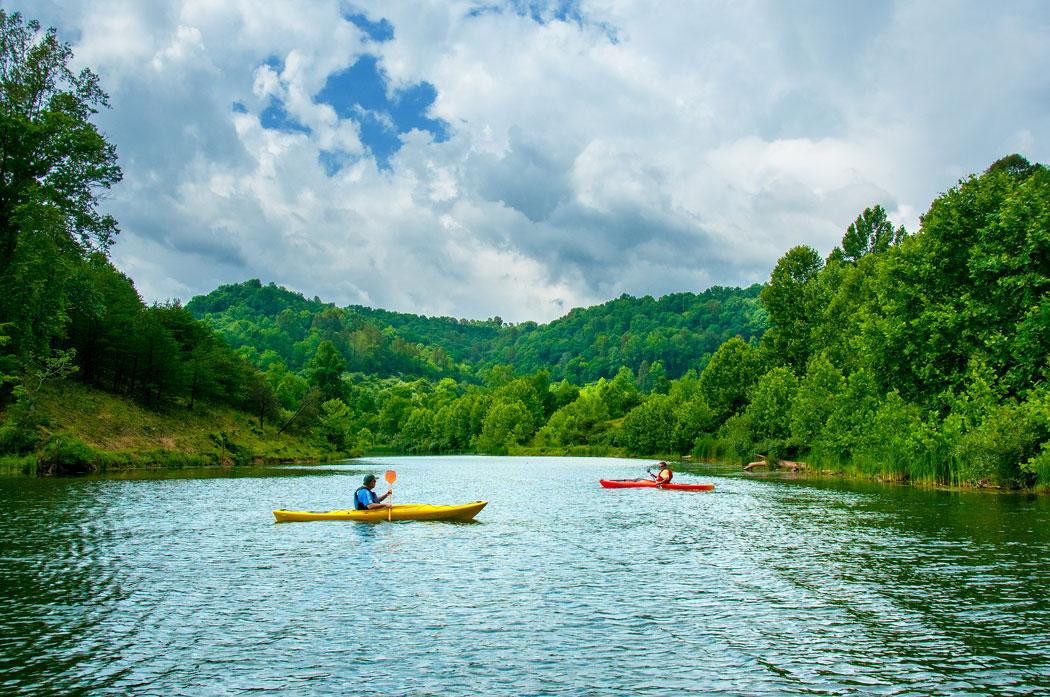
650,484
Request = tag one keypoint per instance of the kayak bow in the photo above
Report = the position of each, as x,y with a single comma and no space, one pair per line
404,511
650,484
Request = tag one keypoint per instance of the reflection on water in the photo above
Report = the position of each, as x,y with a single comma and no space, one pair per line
182,583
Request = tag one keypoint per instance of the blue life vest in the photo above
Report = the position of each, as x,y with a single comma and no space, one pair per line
358,504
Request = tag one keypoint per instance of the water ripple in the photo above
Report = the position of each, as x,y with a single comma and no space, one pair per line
185,586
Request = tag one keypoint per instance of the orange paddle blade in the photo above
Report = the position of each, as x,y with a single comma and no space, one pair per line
390,476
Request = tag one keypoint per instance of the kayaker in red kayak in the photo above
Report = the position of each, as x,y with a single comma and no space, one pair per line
664,475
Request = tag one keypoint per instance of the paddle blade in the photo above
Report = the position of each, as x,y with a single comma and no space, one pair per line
390,476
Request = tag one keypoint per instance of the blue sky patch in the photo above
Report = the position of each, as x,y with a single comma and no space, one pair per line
545,12
360,93
276,118
379,31
537,10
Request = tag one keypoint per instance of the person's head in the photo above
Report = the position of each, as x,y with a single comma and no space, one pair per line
663,465
370,480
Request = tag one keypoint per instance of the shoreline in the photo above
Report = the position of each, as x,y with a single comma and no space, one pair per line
844,475
72,457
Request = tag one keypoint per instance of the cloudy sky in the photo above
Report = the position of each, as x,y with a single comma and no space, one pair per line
477,158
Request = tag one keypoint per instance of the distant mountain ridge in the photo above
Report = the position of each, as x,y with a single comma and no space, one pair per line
269,322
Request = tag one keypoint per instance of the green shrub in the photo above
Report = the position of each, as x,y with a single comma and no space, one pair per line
1037,469
735,435
66,455
997,450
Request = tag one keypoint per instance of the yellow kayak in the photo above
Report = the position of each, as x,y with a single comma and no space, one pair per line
402,511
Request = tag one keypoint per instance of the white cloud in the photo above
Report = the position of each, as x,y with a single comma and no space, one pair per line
645,149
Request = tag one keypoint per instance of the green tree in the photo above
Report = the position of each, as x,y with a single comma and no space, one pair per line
584,421
870,233
621,393
291,390
728,377
973,282
848,425
814,401
564,393
335,423
417,432
325,370
793,306
649,428
770,404
53,165
695,418
52,157
392,414
656,379
506,424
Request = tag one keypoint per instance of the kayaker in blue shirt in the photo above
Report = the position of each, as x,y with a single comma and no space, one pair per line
365,499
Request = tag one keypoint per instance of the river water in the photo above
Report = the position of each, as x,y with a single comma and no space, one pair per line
183,584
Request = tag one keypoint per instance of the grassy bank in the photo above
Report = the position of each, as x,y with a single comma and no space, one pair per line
85,430
926,472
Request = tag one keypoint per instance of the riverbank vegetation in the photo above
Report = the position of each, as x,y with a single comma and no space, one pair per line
907,356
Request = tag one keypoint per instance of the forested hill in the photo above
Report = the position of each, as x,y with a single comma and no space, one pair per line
680,331
268,323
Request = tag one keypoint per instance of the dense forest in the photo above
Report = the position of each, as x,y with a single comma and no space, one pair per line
919,356
670,335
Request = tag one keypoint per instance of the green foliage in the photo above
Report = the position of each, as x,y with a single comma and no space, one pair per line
334,425
770,405
971,284
619,394
53,158
695,419
418,432
587,344
291,390
563,393
324,371
894,443
19,431
54,162
791,302
530,392
870,233
506,424
848,424
729,375
584,421
60,297
66,455
815,401
1002,448
653,378
736,442
651,426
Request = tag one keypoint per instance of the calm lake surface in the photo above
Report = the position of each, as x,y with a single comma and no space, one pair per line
183,584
